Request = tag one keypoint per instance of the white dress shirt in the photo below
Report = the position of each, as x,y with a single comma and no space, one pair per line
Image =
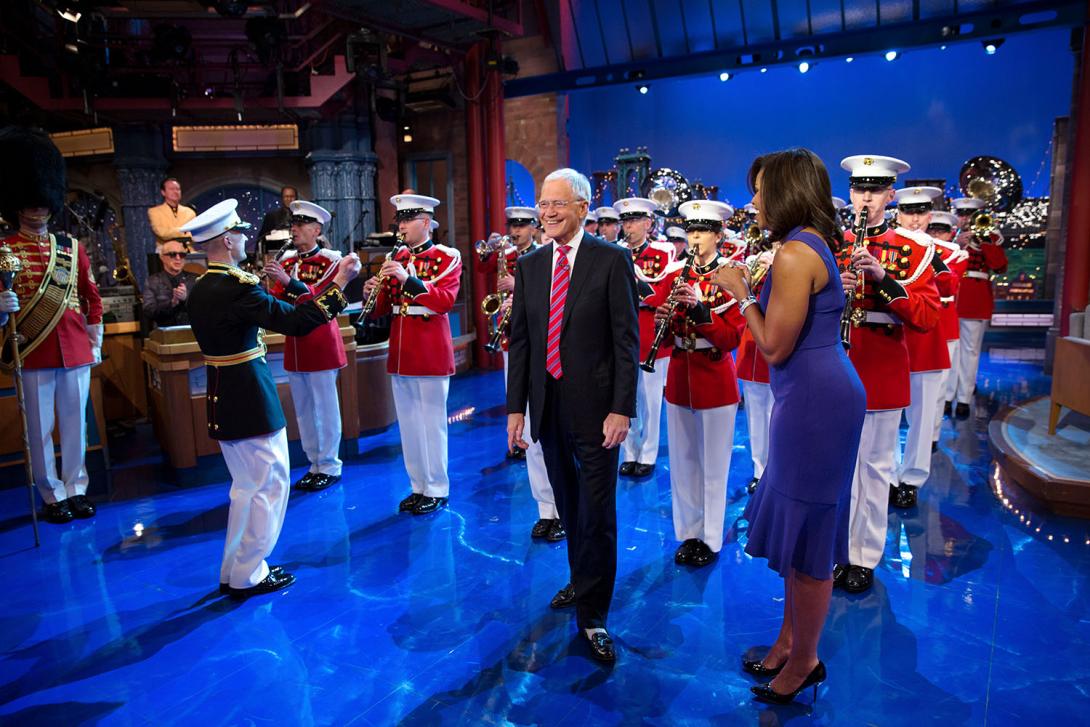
574,245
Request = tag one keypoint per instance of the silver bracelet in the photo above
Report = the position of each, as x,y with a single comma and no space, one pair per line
746,303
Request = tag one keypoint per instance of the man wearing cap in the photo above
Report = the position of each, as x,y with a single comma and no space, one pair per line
676,236
168,218
975,298
943,230
650,260
314,360
59,321
521,222
891,280
928,354
609,224
419,285
227,307
590,223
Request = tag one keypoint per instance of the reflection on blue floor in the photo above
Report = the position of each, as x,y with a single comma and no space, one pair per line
975,617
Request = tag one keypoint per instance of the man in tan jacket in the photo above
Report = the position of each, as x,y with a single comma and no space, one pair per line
166,218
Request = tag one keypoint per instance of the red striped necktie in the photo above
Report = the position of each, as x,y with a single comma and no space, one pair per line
561,277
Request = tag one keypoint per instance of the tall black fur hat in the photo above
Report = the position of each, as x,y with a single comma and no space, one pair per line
34,173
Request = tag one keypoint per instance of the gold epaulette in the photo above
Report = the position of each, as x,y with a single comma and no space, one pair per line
238,273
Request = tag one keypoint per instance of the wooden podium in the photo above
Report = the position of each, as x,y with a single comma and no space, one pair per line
177,384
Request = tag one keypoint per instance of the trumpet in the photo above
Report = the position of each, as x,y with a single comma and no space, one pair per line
372,299
982,227
754,238
485,248
648,364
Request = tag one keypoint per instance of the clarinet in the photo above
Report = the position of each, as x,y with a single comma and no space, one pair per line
664,325
850,318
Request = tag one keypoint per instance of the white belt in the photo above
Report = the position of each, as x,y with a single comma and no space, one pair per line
949,299
980,275
699,344
415,310
874,316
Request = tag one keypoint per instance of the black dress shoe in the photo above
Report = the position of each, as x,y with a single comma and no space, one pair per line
274,570
685,551
601,647
541,528
905,499
426,504
752,486
564,597
81,507
858,579
627,468
757,668
57,512
409,503
892,493
306,482
272,582
321,482
947,409
643,470
840,572
765,692
556,532
962,411
702,555
934,447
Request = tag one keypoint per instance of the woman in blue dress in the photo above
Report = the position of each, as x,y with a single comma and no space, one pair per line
798,517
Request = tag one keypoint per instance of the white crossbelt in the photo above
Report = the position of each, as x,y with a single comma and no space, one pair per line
699,344
415,310
874,316
980,275
948,299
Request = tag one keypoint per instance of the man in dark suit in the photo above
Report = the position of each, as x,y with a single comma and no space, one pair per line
574,353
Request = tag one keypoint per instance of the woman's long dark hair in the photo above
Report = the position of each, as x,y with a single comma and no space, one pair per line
795,192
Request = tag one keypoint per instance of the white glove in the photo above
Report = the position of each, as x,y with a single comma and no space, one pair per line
9,302
94,334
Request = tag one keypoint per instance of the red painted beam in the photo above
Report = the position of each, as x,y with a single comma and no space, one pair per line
1076,282
482,273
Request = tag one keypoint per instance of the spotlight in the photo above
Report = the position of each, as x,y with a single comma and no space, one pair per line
891,55
642,88
804,67
849,59
724,76
942,47
991,46
69,11
764,70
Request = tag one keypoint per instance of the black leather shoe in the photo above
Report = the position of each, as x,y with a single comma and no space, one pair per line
643,470
409,503
685,551
962,411
627,468
702,555
57,512
946,410
905,498
81,507
272,582
752,486
934,447
306,482
564,597
601,647
321,482
426,504
758,669
541,528
858,579
840,572
274,570
765,692
556,532
892,493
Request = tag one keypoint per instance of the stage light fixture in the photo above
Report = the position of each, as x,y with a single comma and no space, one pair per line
764,69
69,11
804,67
942,47
891,55
724,76
643,89
991,46
849,59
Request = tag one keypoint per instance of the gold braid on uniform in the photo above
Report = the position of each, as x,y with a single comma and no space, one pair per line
332,297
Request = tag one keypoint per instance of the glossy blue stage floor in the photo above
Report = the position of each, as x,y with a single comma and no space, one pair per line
975,618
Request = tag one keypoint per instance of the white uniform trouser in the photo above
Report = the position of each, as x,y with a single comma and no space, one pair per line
870,487
970,342
700,444
926,388
758,417
642,443
421,406
259,501
540,487
318,412
947,388
64,390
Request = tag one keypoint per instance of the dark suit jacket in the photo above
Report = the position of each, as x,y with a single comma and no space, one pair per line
599,340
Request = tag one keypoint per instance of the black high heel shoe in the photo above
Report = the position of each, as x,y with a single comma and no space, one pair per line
765,692
758,669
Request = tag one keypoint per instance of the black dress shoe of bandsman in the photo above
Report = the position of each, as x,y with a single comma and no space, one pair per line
57,512
758,669
320,481
702,555
272,582
426,504
409,503
905,499
627,468
962,411
556,532
225,588
81,507
643,470
947,409
601,647
306,481
752,486
685,551
564,597
765,692
840,572
541,528
892,493
858,579
934,447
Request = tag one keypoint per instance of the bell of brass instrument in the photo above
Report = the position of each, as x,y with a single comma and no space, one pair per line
485,248
992,180
853,317
663,327
491,303
372,299
982,226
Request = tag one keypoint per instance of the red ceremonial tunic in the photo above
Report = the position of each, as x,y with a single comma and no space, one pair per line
67,345
323,348
956,261
701,373
420,340
752,365
927,351
975,298
651,261
512,257
906,297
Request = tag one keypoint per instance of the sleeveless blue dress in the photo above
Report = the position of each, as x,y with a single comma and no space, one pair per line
798,517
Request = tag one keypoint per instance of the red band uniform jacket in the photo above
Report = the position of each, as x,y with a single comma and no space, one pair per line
975,297
651,260
323,348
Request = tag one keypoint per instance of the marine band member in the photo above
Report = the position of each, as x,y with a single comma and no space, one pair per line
609,224
943,229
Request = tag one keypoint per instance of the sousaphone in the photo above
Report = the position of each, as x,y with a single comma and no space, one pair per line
667,189
992,180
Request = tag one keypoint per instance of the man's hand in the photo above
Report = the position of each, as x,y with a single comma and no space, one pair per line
849,280
515,425
506,284
370,284
614,429
179,294
686,295
347,270
862,260
394,269
276,272
506,305
9,302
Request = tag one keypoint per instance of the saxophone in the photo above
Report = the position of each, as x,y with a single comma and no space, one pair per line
123,270
663,327
853,317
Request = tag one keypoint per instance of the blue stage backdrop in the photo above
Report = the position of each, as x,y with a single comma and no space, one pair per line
933,108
